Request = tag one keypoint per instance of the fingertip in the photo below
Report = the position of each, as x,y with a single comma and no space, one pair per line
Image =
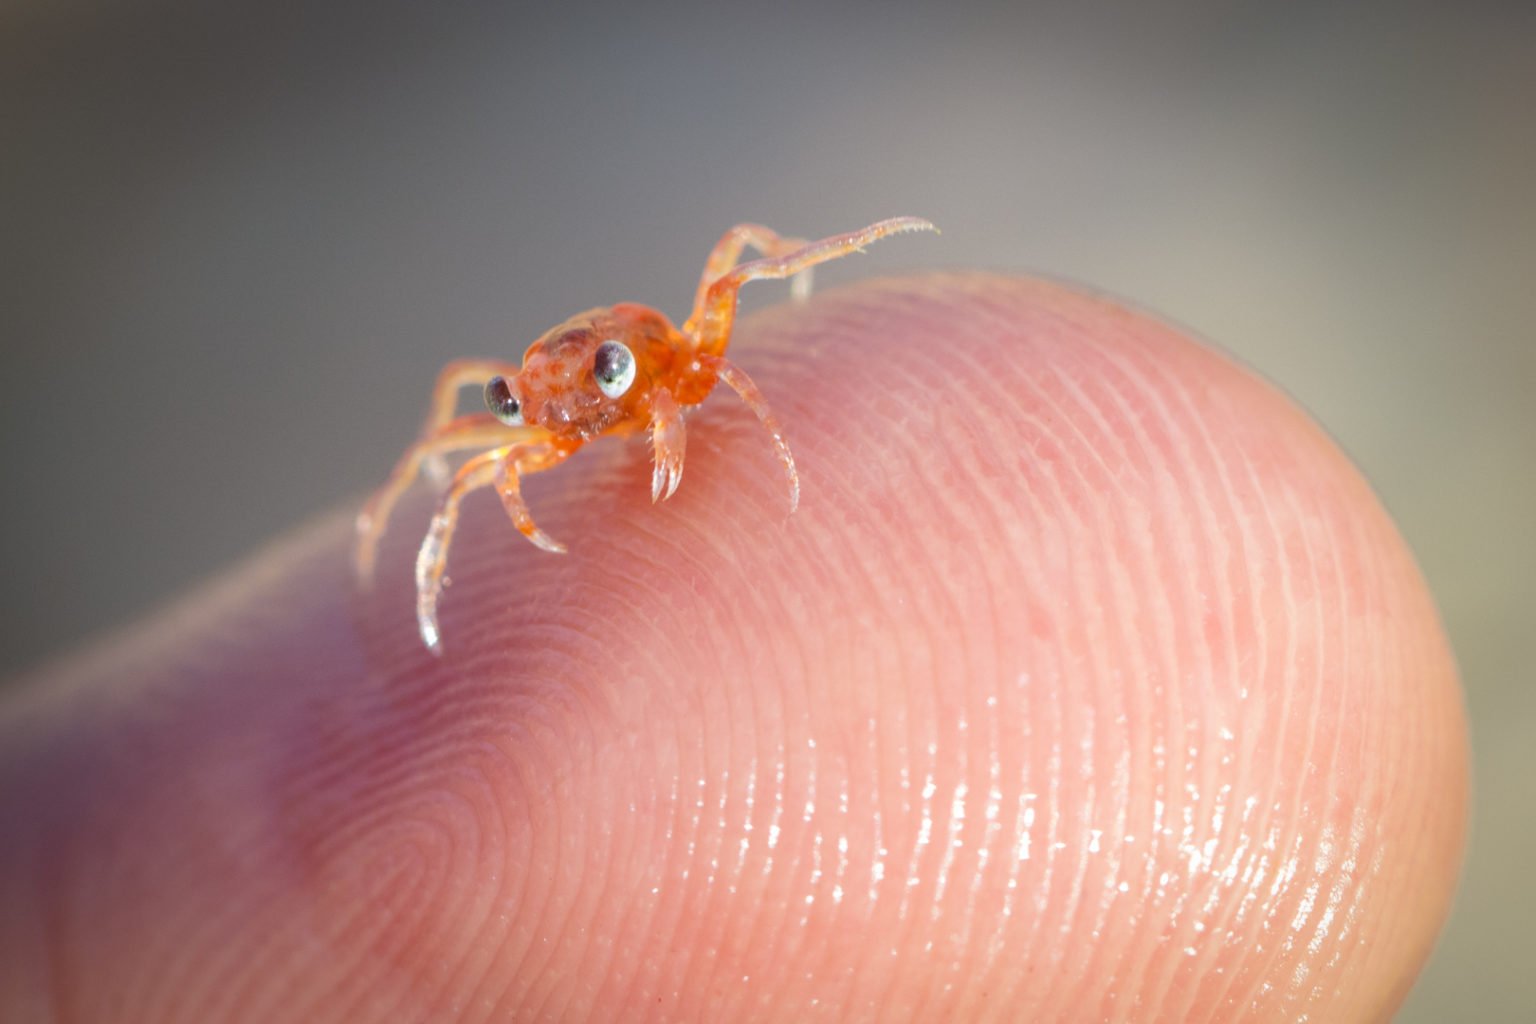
1088,679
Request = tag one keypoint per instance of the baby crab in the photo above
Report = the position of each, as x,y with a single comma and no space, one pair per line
606,371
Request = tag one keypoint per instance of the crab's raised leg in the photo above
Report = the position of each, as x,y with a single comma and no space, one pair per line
710,324
727,252
740,383
669,438
501,466
445,400
477,430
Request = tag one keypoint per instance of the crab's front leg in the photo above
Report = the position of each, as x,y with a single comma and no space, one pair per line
500,466
747,391
669,438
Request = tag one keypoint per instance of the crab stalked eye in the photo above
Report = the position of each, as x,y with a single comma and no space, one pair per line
502,402
614,368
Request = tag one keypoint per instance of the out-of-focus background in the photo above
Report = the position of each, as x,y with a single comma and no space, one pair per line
236,243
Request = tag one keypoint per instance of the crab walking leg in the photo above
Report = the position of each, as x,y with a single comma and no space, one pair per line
445,399
502,467
521,461
710,325
747,391
727,252
432,558
477,430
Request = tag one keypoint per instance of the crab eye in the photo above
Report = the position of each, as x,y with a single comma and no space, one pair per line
502,402
614,368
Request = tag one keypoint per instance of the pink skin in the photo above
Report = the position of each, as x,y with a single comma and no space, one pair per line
1089,682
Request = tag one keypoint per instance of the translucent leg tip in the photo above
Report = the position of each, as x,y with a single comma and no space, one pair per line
430,637
543,540
435,469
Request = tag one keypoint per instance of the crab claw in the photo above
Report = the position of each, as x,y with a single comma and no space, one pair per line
669,438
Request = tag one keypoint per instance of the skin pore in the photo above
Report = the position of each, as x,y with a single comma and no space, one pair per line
1089,680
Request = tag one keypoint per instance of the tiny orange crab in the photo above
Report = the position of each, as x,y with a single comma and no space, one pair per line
606,371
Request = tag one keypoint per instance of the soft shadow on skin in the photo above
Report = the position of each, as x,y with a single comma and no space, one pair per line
1089,680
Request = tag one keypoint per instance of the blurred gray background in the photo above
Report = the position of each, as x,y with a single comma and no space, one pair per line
236,242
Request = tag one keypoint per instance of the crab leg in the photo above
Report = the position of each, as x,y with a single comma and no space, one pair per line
740,383
477,430
445,399
710,325
727,252
502,467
